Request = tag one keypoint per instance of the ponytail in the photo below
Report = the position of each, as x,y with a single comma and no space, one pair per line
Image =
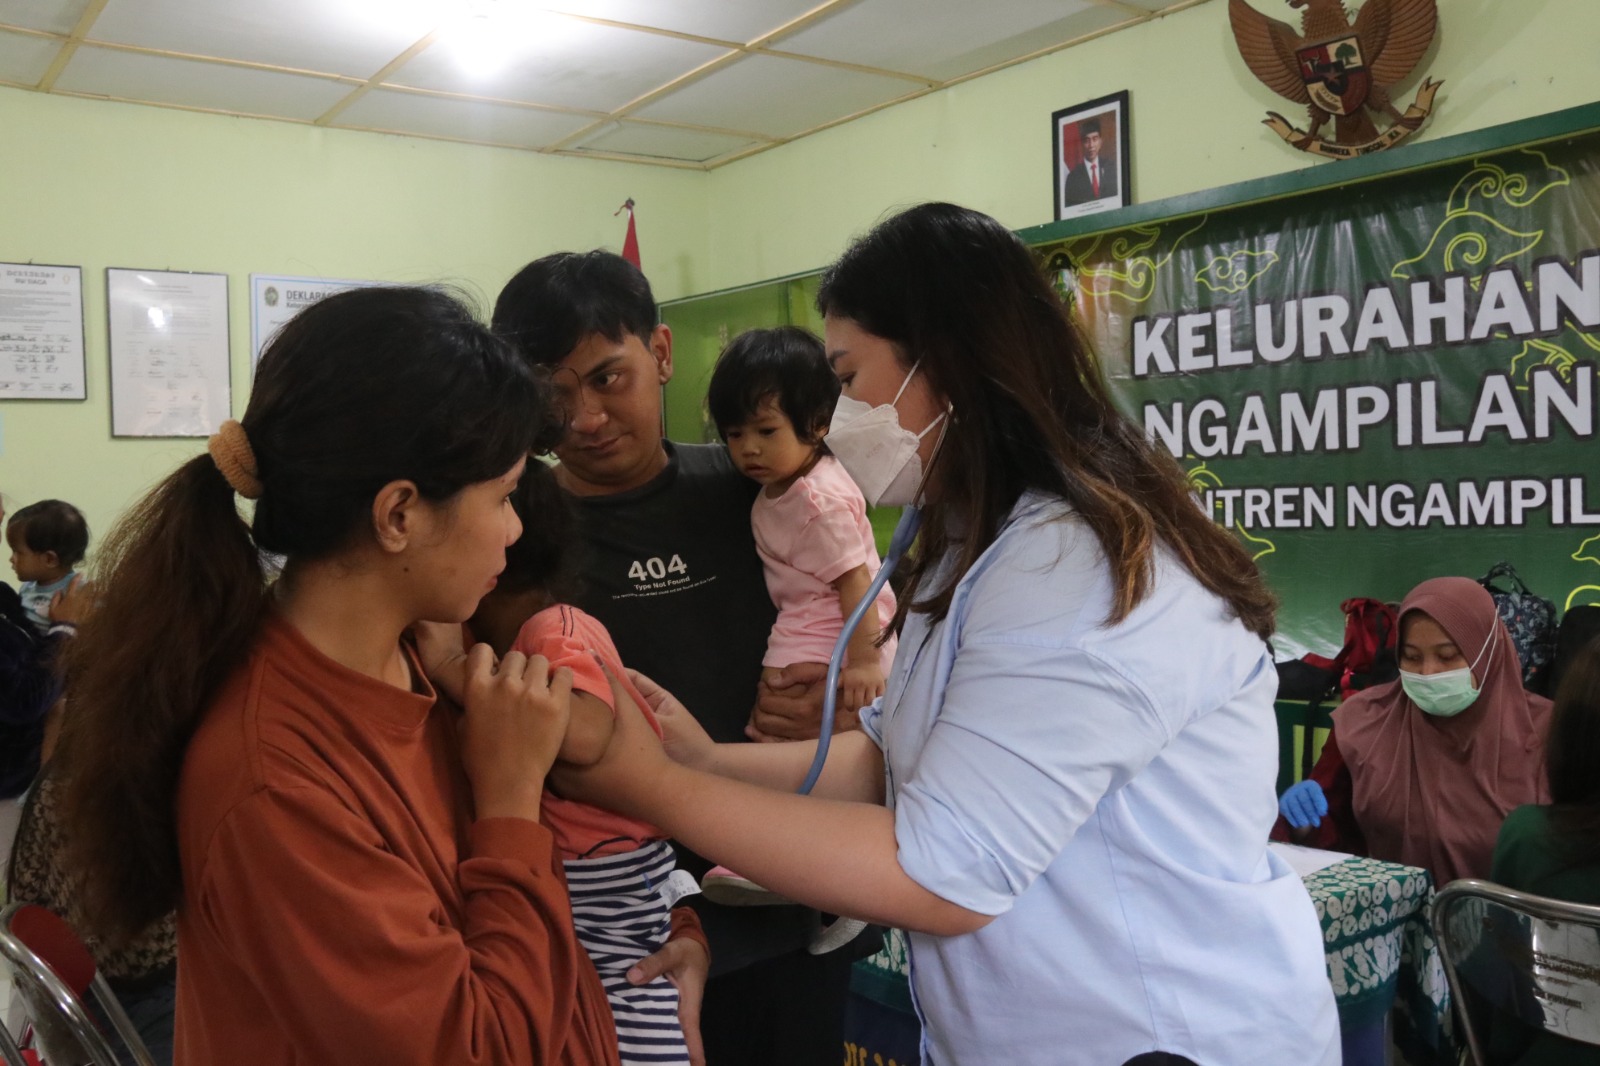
182,598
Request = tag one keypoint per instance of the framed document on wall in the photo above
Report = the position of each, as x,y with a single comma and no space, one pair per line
41,332
169,352
1092,163
276,298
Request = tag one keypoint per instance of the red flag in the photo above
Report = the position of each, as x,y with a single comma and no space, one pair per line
630,243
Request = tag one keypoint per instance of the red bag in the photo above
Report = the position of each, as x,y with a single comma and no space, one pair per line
1370,635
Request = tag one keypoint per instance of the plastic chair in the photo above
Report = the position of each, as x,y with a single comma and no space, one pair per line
1534,959
52,972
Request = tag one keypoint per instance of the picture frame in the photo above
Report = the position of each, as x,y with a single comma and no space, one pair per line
277,298
1101,127
42,332
170,366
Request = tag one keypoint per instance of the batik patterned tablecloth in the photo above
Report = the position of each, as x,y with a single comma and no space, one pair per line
1377,941
880,1025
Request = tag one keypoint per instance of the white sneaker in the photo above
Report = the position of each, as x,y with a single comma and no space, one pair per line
834,935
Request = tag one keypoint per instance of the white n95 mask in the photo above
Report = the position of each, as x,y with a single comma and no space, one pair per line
878,453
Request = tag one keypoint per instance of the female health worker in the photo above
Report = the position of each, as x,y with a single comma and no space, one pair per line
1064,795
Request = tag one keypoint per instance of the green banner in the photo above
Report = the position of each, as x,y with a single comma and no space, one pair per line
1373,385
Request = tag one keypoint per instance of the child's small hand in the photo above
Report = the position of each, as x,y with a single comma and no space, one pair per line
860,685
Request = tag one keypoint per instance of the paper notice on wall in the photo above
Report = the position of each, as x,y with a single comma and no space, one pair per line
169,353
41,332
276,298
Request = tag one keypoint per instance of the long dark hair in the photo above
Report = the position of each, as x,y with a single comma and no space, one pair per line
1571,755
958,294
366,387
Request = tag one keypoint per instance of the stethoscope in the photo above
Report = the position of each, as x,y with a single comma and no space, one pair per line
904,533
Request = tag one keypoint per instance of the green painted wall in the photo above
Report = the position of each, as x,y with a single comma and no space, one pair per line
701,328
101,184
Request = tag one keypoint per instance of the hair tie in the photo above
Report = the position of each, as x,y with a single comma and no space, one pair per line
230,450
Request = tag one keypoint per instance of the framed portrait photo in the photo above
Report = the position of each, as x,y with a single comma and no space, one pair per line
1092,163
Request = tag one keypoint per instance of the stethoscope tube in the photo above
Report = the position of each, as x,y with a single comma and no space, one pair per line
904,533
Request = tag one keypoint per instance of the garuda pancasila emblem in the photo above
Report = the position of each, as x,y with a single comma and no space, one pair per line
1341,70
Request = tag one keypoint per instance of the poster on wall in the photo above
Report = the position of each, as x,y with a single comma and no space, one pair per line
41,332
169,352
276,298
1089,142
1373,390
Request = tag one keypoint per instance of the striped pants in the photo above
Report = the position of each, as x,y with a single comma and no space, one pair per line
621,916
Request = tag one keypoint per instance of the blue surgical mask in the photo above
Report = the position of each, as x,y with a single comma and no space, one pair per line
1446,694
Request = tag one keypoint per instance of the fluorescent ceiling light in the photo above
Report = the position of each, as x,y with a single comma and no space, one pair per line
486,35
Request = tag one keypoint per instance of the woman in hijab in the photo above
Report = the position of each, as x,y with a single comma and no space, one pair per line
1423,770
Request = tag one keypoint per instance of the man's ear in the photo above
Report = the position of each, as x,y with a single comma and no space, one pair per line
661,349
396,515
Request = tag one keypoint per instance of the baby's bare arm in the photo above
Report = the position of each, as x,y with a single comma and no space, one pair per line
851,586
588,732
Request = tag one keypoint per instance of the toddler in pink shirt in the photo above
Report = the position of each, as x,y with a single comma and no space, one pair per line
771,396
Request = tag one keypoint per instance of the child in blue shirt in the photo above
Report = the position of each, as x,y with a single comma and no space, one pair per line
48,539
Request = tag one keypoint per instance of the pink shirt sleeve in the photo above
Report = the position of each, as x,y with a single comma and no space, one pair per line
830,544
553,633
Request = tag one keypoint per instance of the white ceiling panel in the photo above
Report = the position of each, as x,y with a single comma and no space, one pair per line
742,22
663,142
159,80
559,61
432,116
779,97
54,16
960,39
351,38
24,59
584,62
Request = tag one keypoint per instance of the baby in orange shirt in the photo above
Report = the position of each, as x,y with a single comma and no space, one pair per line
620,872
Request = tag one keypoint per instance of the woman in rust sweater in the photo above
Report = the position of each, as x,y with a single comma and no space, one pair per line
358,865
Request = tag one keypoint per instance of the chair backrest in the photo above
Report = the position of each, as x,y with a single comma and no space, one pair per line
1534,959
53,972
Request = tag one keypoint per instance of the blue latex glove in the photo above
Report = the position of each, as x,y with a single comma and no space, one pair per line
1303,804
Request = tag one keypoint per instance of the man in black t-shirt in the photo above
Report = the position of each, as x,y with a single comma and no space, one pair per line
669,566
